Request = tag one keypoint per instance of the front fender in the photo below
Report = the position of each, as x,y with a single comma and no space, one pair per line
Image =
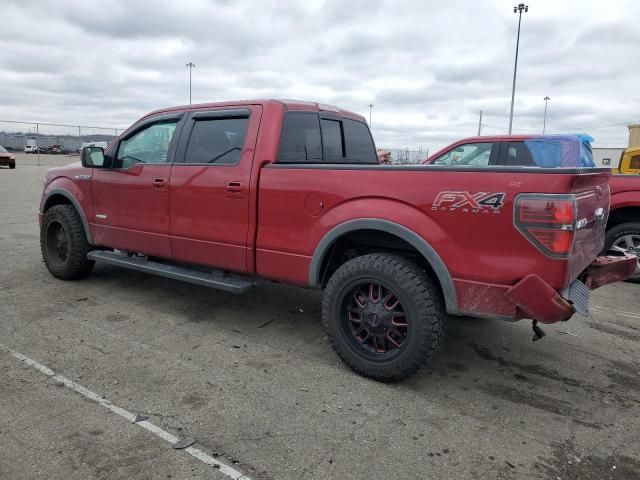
65,187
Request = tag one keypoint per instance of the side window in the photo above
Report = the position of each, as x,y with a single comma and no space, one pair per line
216,141
518,155
359,144
149,145
332,140
468,155
635,162
300,139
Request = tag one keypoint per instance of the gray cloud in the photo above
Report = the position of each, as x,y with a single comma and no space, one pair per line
428,68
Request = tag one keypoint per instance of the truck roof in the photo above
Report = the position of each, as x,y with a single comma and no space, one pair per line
299,105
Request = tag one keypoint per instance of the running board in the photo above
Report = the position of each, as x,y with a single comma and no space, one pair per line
217,279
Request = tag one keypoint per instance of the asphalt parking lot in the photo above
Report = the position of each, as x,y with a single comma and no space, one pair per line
253,381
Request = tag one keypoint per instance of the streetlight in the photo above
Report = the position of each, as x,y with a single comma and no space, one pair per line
191,66
519,9
544,122
370,108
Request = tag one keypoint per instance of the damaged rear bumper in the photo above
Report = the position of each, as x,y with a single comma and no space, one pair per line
537,300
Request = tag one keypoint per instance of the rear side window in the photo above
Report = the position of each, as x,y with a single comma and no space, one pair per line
216,141
300,141
635,162
307,138
518,154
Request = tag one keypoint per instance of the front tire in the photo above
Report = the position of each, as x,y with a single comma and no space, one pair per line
64,244
12,166
624,238
384,316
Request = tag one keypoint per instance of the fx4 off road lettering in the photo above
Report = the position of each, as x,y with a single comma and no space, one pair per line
481,202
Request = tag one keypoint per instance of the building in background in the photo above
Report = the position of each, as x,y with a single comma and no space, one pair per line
610,156
634,135
607,157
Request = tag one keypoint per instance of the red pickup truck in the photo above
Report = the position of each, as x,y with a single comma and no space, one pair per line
623,224
220,193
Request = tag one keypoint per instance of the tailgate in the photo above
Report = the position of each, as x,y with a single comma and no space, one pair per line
592,209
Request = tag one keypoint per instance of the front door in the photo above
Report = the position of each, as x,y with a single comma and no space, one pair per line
131,197
210,187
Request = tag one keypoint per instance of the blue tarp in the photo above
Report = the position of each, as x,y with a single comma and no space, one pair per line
561,150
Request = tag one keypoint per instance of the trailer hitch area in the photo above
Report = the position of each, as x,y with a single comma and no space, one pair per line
538,333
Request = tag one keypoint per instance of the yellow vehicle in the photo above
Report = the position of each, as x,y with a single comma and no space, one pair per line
629,162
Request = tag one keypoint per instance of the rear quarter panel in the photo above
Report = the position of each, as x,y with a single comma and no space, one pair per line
298,206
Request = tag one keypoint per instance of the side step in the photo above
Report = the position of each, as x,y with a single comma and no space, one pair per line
217,279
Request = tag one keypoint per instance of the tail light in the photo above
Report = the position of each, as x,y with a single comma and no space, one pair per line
547,221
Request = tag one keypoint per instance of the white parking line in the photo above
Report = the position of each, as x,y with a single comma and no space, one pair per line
621,313
157,431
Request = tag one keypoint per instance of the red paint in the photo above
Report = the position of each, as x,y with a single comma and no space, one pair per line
253,219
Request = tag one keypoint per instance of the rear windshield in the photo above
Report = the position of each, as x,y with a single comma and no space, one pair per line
310,138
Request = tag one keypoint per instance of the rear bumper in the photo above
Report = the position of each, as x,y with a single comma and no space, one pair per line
537,300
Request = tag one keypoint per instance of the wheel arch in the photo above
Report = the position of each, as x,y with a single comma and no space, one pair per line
321,255
60,196
625,214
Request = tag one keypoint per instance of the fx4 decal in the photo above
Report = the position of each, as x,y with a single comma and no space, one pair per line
481,202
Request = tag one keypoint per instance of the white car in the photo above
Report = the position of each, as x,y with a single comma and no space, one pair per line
30,149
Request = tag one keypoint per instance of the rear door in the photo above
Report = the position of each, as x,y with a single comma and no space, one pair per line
210,187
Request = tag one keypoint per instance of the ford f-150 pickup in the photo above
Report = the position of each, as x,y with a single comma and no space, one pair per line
217,194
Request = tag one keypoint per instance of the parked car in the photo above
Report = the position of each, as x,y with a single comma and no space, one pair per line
30,149
52,150
623,224
6,158
221,193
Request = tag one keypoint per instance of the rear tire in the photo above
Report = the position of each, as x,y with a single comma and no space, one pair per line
384,316
624,238
64,244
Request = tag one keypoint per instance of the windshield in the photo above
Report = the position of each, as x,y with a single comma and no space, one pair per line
3,150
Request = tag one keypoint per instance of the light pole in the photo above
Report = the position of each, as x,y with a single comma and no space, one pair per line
519,9
544,122
370,109
191,66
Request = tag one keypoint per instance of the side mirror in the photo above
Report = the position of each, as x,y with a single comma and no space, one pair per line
93,157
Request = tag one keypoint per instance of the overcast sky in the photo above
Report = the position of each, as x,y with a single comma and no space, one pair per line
428,67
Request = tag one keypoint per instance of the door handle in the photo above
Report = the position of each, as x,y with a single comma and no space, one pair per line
159,185
235,189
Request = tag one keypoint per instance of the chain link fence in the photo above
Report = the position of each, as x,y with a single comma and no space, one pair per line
401,156
39,143
42,143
